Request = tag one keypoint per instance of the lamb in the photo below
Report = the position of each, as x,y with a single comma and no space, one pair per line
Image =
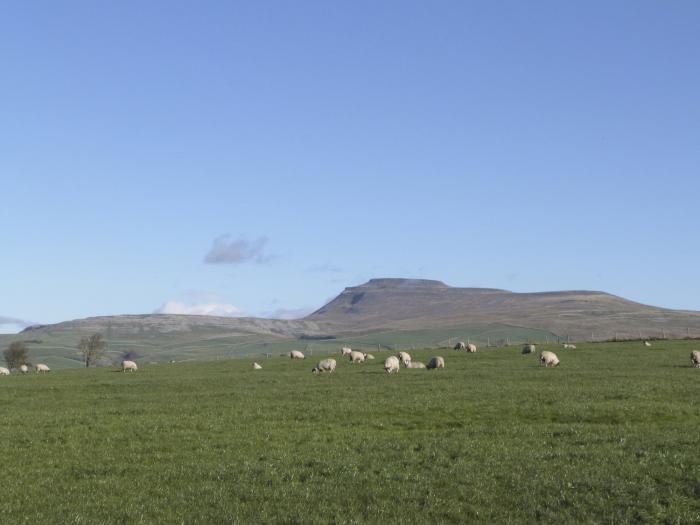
695,358
647,343
296,354
129,365
414,364
357,357
572,347
471,348
549,359
256,366
24,369
4,371
326,365
435,363
42,369
404,357
391,364
369,356
461,345
528,349
345,351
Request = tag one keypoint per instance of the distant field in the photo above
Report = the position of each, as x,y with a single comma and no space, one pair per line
610,436
58,348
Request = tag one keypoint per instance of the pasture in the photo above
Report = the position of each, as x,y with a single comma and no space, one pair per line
610,436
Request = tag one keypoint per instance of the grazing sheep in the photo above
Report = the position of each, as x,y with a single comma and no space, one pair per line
695,358
549,359
296,354
567,345
256,366
404,357
528,349
471,348
129,365
461,345
345,351
436,362
647,343
24,369
42,369
391,364
326,365
369,356
357,357
414,364
4,371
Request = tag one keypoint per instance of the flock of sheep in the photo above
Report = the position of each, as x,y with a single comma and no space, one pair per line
393,363
43,369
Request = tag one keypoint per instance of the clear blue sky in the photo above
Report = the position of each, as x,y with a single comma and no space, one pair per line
301,147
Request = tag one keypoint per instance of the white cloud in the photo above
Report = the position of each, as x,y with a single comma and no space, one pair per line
217,309
226,250
288,313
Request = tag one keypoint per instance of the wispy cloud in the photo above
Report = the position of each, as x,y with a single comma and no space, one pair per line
227,250
217,309
288,313
11,325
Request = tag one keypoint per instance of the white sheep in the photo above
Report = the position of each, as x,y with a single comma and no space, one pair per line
647,343
256,366
326,365
436,362
414,364
4,371
129,365
695,358
471,348
357,357
24,369
391,364
42,369
404,357
296,354
572,347
528,349
369,356
549,359
345,351
461,345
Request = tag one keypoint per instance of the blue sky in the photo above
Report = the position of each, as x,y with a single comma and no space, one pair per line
314,145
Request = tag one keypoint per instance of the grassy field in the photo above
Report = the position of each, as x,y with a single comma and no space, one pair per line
58,348
610,436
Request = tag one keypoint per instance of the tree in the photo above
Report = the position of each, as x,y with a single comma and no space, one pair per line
16,355
92,348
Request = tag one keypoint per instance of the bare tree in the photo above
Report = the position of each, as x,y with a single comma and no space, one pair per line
92,348
16,355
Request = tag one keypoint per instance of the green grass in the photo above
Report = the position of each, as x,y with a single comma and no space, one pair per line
610,436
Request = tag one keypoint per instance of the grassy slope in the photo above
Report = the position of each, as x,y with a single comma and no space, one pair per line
611,436
58,349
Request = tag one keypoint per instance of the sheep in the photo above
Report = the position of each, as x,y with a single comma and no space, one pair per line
4,371
695,358
435,363
461,345
549,359
528,349
256,366
325,365
345,351
404,357
24,369
572,347
391,364
357,357
414,364
471,348
647,343
42,369
296,354
369,356
129,365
